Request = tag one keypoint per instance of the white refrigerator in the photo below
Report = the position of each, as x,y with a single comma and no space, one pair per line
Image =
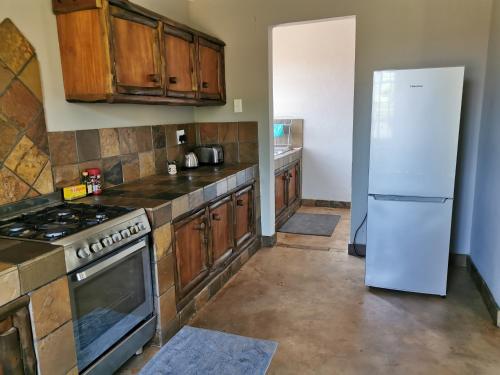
413,152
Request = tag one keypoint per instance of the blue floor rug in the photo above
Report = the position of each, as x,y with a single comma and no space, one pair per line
196,351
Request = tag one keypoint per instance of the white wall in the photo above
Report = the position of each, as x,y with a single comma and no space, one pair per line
313,79
485,242
389,34
37,22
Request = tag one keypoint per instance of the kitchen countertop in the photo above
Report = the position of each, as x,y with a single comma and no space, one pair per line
285,158
178,193
27,265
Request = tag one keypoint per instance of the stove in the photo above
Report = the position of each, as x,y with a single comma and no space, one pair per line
87,232
108,264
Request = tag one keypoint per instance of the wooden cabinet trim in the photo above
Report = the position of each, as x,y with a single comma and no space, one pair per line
179,33
68,6
130,15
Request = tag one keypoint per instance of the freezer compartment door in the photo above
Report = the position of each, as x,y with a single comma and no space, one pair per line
414,132
408,243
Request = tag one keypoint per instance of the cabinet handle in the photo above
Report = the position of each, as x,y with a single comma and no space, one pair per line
200,226
240,202
204,85
216,217
172,80
154,77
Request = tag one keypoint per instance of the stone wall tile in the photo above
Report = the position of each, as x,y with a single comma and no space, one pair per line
50,307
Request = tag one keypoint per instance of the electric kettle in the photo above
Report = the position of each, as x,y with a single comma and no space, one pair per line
190,160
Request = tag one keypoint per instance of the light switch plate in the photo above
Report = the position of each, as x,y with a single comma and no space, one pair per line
238,105
179,134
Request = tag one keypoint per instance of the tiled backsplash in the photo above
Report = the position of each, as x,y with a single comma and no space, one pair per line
123,154
127,154
25,169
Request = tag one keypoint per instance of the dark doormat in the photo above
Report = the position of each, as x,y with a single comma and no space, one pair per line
311,224
197,351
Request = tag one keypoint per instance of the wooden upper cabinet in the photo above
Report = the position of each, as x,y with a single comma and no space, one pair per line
116,51
136,48
180,65
84,52
211,68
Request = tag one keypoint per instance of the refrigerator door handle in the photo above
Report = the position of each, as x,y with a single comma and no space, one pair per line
400,198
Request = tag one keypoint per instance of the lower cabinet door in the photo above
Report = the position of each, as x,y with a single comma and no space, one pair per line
244,215
221,227
280,181
293,184
190,250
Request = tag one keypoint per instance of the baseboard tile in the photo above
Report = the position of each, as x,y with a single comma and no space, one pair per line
269,241
459,260
323,203
358,251
488,298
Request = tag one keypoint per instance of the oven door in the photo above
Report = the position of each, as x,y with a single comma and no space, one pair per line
109,298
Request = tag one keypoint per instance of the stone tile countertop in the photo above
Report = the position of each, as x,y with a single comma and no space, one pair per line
166,197
27,265
285,158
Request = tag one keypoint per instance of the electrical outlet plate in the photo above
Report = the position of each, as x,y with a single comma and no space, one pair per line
179,134
238,105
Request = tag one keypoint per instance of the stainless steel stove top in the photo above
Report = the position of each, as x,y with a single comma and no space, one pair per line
87,232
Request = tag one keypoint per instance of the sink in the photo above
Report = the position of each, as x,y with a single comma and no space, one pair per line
281,149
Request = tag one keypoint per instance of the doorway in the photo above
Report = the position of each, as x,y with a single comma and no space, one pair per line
313,66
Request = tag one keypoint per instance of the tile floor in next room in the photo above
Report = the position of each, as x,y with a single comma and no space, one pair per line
311,299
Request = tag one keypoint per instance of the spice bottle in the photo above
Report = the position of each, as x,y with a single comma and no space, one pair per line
87,182
95,179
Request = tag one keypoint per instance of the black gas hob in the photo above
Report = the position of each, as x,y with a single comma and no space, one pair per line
55,222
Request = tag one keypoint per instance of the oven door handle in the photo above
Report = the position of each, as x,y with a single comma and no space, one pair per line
80,276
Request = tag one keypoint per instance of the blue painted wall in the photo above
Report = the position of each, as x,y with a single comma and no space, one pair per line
485,239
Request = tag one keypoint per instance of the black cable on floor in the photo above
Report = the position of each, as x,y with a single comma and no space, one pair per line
355,235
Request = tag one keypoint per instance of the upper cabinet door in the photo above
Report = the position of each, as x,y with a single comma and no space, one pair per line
136,48
179,54
211,68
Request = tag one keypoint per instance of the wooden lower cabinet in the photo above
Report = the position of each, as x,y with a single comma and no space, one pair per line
280,182
206,241
244,223
293,184
16,341
190,250
221,230
287,193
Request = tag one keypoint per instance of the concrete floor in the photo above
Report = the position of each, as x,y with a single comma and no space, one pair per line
313,302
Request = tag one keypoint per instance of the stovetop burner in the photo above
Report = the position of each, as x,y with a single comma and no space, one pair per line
58,221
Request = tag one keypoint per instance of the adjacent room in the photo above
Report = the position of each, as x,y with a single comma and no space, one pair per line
313,99
249,187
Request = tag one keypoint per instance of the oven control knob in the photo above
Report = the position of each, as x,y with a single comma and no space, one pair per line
141,226
84,252
95,247
107,241
125,233
116,237
134,229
